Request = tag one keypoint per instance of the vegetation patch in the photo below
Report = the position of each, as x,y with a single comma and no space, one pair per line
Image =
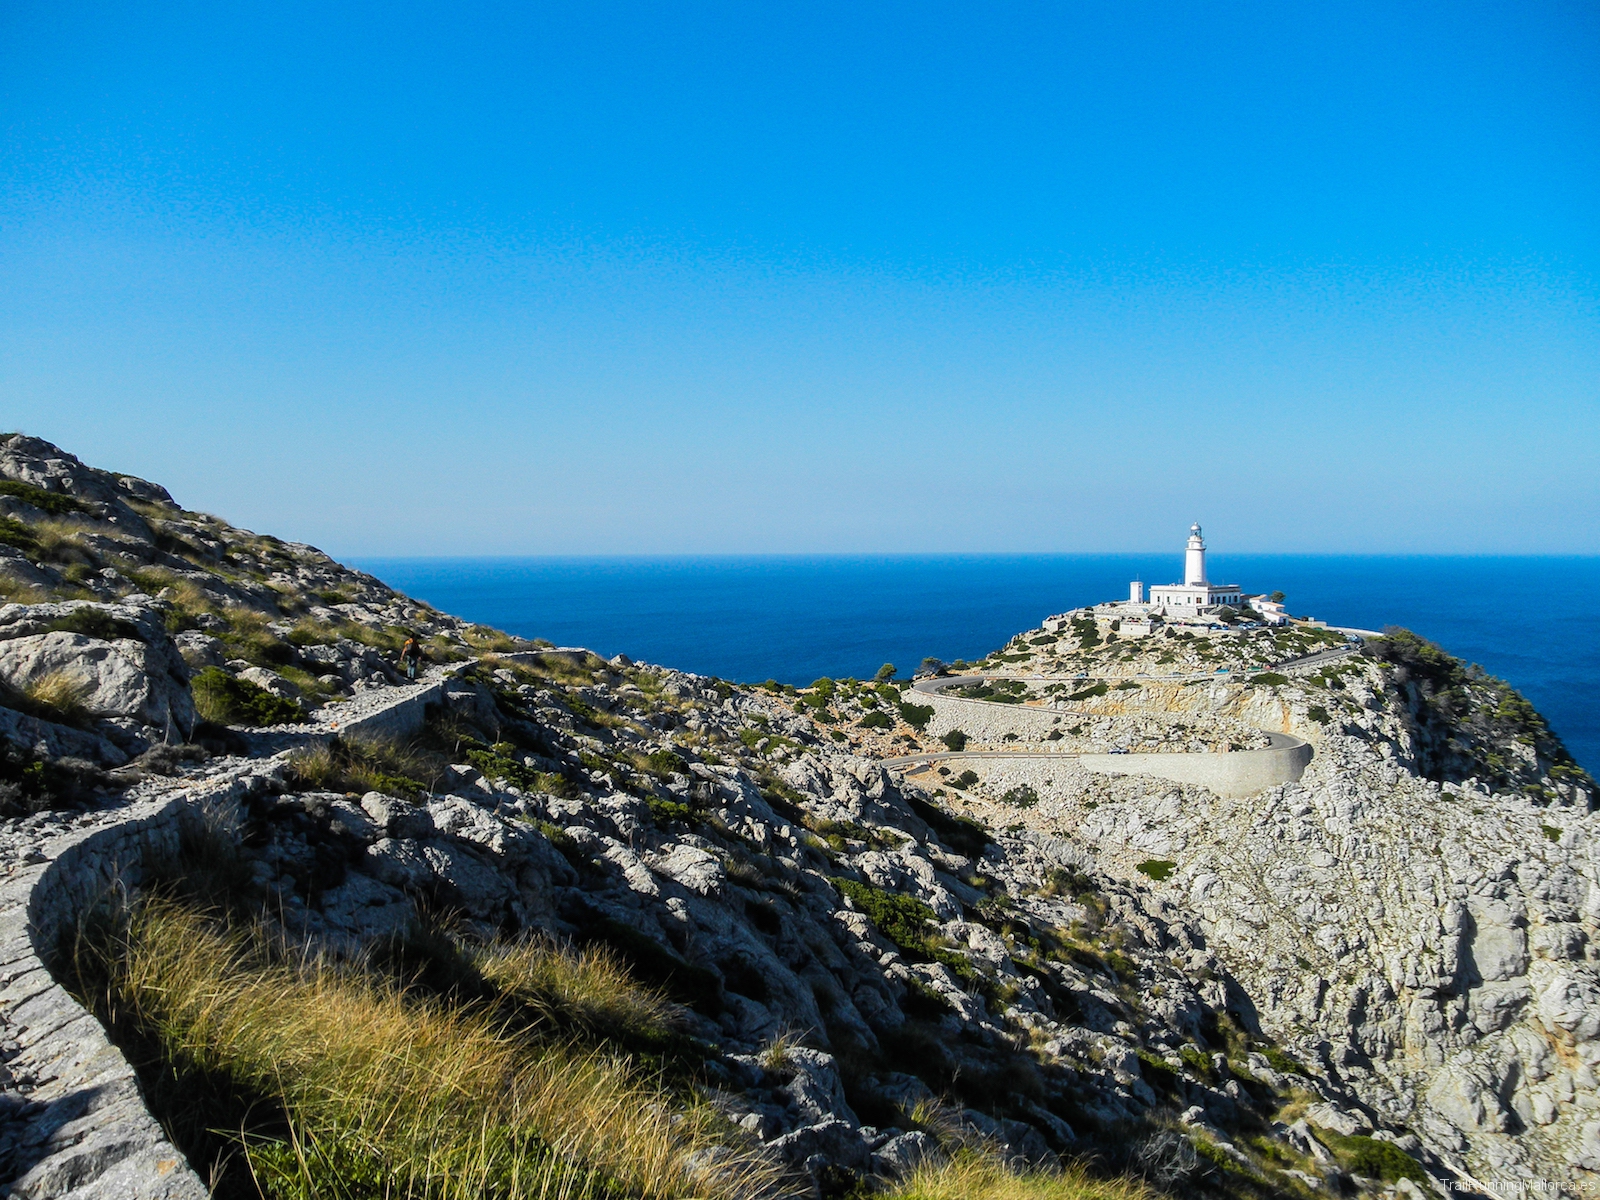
959,833
18,536
94,623
227,700
295,1076
1158,869
974,1176
905,921
916,715
365,765
1371,1157
54,503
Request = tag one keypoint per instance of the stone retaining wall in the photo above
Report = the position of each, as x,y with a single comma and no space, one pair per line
74,1123
1234,774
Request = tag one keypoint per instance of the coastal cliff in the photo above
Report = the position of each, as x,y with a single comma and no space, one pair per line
848,938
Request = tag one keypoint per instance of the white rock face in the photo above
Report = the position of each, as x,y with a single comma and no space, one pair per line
122,678
1436,949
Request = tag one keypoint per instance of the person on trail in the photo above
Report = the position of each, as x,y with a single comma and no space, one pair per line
410,655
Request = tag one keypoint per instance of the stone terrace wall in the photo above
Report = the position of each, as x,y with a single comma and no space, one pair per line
73,1123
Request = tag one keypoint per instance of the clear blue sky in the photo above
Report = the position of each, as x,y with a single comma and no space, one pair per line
403,278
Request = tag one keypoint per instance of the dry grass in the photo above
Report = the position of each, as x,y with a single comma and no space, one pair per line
58,696
589,989
391,1093
970,1176
489,640
15,591
62,540
366,765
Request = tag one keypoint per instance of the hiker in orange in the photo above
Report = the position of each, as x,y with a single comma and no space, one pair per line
410,656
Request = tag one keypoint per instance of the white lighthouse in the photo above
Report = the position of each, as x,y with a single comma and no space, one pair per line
1196,593
1194,559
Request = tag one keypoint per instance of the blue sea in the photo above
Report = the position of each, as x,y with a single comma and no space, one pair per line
797,618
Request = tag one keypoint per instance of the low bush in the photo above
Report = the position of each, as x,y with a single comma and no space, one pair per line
18,536
227,700
916,715
961,834
1021,796
1158,869
666,762
965,780
876,720
1373,1158
53,503
955,740
93,623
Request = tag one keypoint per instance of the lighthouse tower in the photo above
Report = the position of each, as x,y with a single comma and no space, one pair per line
1196,594
1194,559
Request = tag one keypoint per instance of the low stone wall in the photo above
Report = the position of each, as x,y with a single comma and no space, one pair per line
387,713
1236,774
1233,774
74,1123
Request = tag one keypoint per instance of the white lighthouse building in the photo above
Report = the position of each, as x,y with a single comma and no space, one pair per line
1195,593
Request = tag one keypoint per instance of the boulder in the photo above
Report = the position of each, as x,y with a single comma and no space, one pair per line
200,650
122,678
270,681
902,1155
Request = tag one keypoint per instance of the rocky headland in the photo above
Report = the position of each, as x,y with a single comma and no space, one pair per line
950,938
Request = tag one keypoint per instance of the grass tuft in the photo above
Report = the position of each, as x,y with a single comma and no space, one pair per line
59,696
971,1176
387,1092
366,765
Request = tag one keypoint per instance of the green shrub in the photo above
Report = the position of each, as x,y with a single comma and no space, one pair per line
1373,1158
965,780
1158,869
1021,796
18,536
1318,714
885,673
916,715
222,698
1269,679
665,812
876,720
53,503
1551,832
665,762
900,918
955,740
1278,1060
94,623
1098,689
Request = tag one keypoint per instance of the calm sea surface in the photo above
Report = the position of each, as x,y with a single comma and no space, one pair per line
797,618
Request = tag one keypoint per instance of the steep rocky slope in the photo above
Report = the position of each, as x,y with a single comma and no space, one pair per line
1369,980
